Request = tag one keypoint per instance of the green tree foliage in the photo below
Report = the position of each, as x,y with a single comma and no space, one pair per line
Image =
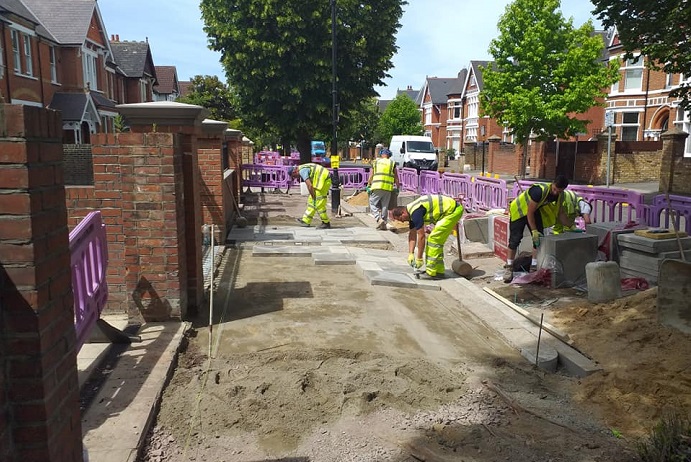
545,72
401,117
209,92
361,122
657,29
277,57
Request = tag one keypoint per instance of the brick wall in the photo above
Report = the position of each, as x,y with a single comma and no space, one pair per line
209,154
39,394
78,166
675,171
505,159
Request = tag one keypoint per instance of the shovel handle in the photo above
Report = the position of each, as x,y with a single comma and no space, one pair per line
671,212
458,240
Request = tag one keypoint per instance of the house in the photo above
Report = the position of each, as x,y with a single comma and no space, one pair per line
136,65
184,87
167,86
477,128
455,115
640,100
433,102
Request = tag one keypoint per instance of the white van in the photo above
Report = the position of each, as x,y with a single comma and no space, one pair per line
414,152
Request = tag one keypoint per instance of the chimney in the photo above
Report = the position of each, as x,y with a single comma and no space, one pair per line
410,87
117,37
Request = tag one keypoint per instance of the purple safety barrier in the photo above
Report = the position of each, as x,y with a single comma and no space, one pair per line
352,177
659,213
264,176
608,204
89,261
489,193
430,182
409,179
458,185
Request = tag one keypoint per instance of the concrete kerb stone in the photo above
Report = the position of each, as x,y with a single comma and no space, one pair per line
518,331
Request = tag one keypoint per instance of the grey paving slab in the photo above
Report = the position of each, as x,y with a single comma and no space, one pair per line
406,281
282,251
654,246
333,259
476,229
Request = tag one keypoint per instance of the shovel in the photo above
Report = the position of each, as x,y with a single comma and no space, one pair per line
460,267
674,280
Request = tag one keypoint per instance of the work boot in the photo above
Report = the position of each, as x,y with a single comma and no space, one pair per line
302,223
508,273
382,225
324,226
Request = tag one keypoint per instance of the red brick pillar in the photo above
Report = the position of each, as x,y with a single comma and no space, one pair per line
170,237
210,154
236,143
674,169
39,393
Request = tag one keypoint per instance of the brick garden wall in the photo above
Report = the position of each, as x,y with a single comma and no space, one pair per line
78,165
39,393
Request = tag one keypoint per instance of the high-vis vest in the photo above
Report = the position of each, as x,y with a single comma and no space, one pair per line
519,206
571,204
382,174
318,175
436,206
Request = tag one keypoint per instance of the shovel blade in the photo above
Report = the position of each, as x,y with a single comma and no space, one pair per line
462,268
674,295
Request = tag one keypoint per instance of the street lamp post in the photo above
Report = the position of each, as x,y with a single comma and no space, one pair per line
335,179
482,132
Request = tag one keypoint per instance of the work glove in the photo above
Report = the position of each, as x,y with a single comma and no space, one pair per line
418,263
411,259
369,190
537,236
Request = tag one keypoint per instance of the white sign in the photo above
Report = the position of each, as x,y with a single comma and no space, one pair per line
609,118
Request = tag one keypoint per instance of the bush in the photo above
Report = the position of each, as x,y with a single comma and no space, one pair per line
669,440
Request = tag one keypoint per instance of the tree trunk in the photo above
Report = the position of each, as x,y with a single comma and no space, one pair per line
305,147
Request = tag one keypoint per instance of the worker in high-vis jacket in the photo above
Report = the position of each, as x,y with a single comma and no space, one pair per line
561,217
382,182
441,211
318,182
524,211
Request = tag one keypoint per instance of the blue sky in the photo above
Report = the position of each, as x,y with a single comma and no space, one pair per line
437,38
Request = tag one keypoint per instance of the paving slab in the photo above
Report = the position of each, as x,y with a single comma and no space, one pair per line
333,259
653,246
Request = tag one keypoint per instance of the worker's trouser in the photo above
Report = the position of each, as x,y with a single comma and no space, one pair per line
379,203
434,249
318,205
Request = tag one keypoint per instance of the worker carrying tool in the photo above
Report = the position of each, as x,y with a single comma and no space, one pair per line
381,183
442,211
524,211
318,182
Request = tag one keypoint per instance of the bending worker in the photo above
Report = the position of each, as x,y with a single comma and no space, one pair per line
382,182
318,182
442,211
572,207
524,211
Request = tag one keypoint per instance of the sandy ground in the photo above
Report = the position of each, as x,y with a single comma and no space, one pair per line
320,366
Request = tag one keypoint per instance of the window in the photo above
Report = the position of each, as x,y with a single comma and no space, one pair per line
457,111
89,60
15,52
633,74
53,66
142,91
428,115
629,126
669,82
28,65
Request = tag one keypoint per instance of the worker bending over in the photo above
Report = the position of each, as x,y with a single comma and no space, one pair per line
318,182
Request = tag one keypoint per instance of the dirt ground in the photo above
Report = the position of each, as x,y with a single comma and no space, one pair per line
321,367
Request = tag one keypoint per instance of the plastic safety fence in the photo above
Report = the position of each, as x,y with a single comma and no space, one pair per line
409,179
459,186
89,262
430,182
352,178
608,204
265,176
489,193
659,212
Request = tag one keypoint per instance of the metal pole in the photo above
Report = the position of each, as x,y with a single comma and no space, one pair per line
483,158
335,179
609,151
211,291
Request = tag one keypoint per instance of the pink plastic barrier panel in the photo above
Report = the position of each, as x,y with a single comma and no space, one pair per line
409,179
610,205
352,177
430,182
489,193
659,213
89,261
459,186
265,176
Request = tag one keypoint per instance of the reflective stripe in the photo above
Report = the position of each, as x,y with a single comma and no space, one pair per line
437,206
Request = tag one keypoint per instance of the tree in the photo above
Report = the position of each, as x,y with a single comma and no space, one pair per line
545,72
277,57
401,117
360,123
209,92
658,30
